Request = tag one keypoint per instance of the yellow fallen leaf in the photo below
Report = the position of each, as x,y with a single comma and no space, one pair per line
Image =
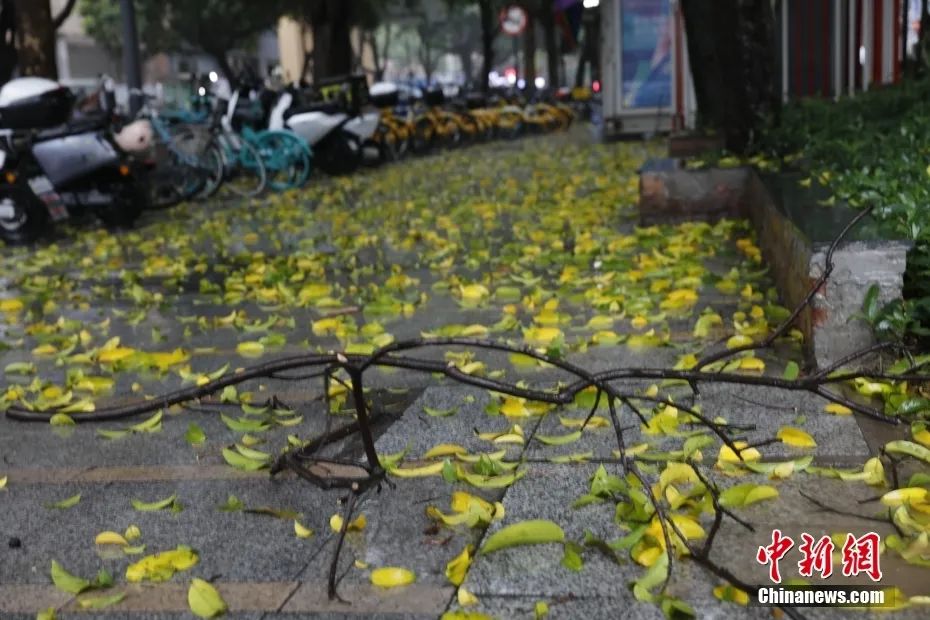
795,437
11,305
433,469
357,525
541,336
458,566
837,409
3,481
646,555
110,538
921,436
161,566
514,407
250,349
204,600
132,533
731,594
728,456
751,363
392,577
301,531
466,598
44,350
444,449
110,356
739,340
907,495
474,292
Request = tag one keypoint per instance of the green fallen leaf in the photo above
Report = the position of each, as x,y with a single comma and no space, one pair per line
65,503
204,600
20,368
61,419
242,462
67,582
792,370
654,576
156,505
112,434
440,413
532,532
908,448
746,494
559,440
152,425
571,557
233,504
195,435
244,425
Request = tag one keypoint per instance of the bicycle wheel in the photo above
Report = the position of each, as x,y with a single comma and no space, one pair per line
286,157
245,176
199,160
212,170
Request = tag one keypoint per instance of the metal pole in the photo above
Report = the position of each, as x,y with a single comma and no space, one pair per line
132,66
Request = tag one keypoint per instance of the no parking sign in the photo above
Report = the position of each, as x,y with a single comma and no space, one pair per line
513,19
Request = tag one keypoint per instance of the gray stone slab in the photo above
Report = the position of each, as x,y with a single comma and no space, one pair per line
591,608
838,438
420,431
547,492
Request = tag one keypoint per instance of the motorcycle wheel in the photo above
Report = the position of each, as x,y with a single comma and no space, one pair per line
130,198
29,218
340,153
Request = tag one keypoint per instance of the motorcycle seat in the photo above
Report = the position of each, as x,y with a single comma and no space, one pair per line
73,126
327,107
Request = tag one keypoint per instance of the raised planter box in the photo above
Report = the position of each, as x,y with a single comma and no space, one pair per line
794,231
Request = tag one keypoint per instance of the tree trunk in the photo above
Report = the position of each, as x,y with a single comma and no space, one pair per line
547,21
585,56
731,44
8,55
35,34
924,36
332,45
381,56
529,50
488,32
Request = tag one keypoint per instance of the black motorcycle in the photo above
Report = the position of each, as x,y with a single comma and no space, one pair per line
54,166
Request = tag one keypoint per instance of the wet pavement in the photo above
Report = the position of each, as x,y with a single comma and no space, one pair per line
506,241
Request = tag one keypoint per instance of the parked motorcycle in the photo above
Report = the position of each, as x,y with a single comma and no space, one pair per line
335,127
54,167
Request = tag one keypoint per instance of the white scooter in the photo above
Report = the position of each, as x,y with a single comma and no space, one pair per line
339,135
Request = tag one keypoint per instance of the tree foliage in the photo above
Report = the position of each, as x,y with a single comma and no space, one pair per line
214,27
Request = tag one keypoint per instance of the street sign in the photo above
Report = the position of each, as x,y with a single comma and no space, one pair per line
513,20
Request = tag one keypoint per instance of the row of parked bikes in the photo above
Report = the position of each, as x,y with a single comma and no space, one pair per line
59,160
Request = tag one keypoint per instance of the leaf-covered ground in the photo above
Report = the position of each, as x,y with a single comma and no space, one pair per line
533,242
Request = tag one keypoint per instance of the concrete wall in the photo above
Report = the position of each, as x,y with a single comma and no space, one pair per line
829,323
